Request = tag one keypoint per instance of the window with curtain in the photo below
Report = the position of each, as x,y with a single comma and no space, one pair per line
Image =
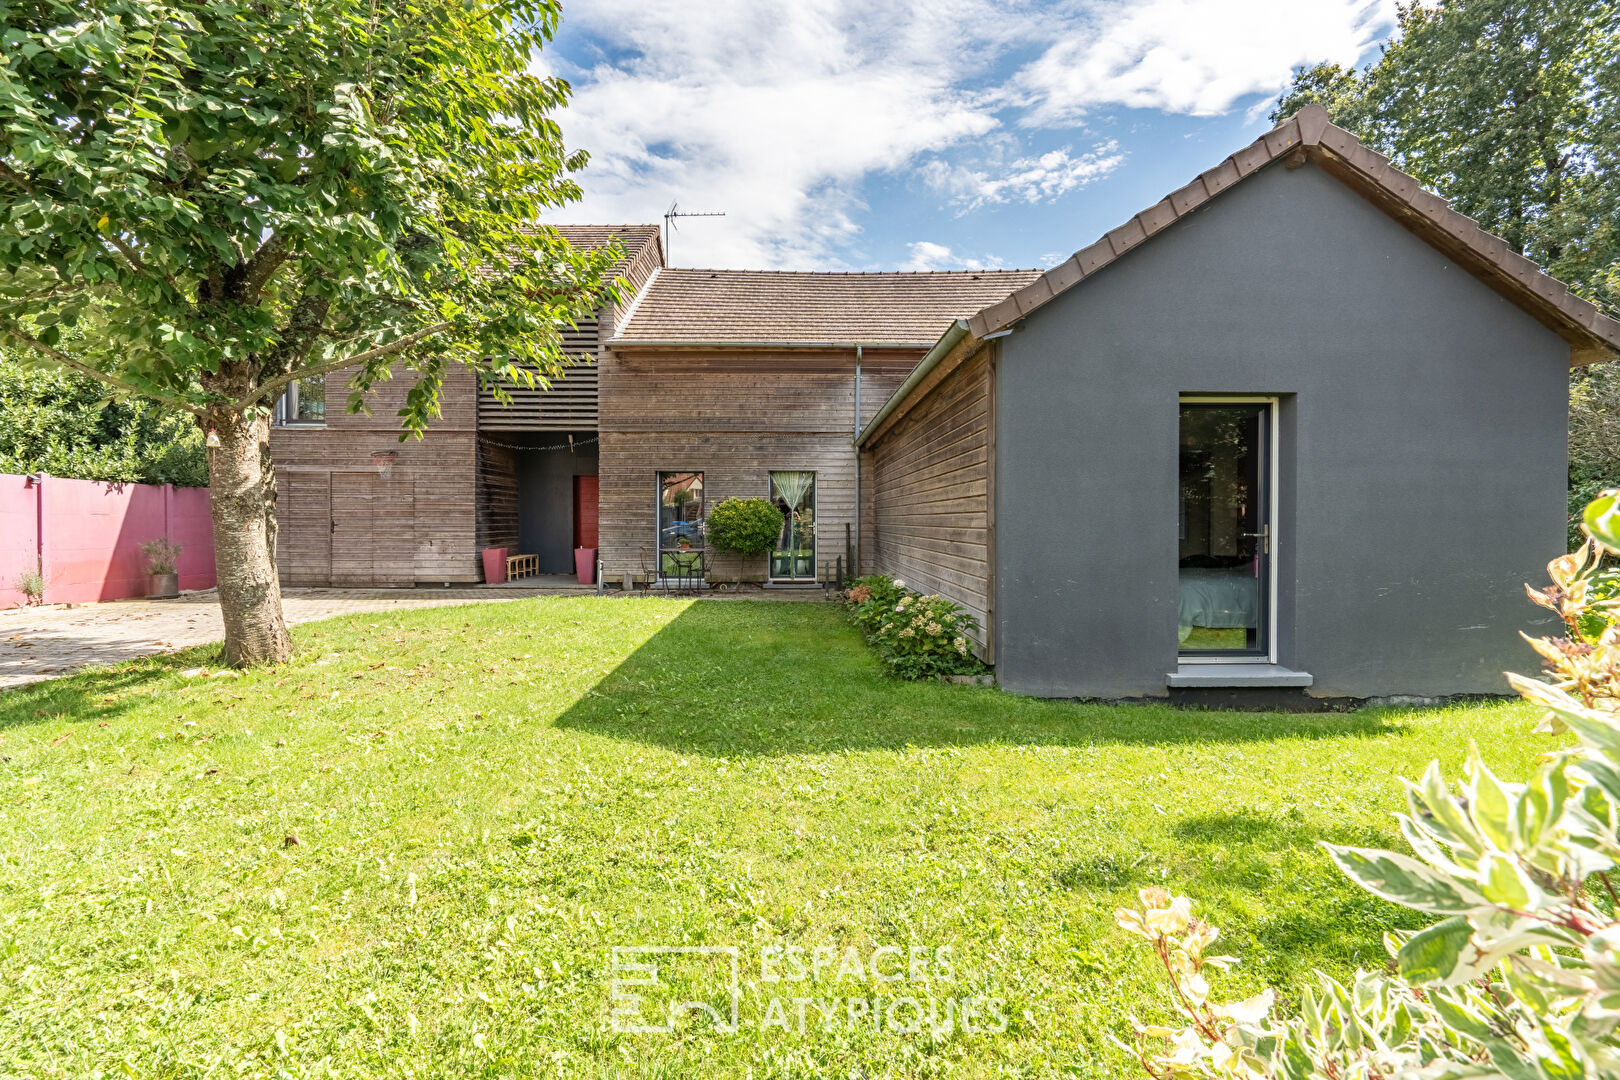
794,493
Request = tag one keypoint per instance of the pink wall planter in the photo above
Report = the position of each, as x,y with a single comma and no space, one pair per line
585,565
494,566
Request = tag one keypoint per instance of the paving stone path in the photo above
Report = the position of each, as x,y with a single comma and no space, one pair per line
44,643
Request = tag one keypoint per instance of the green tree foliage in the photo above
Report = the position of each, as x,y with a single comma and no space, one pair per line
1511,110
64,424
224,196
1519,977
1508,108
746,526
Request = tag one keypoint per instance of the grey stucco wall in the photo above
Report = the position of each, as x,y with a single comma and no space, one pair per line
546,502
1422,452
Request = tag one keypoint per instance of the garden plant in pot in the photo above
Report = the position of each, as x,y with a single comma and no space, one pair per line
748,527
162,559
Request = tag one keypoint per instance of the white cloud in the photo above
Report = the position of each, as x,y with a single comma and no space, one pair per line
1024,179
1198,57
780,113
927,255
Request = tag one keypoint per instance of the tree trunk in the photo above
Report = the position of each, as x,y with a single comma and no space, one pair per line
242,491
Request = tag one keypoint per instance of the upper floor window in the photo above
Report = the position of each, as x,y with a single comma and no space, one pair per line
304,402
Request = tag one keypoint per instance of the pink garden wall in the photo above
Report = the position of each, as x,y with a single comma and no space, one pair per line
90,534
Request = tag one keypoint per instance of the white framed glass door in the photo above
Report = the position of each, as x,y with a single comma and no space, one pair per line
1227,535
794,494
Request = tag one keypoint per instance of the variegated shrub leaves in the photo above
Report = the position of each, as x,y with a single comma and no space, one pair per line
1520,976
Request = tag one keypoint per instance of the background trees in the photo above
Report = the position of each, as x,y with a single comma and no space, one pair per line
1511,110
64,424
204,201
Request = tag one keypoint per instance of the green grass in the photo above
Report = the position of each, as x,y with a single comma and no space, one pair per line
1205,637
487,800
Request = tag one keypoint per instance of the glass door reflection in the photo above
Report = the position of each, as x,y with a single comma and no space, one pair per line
1225,529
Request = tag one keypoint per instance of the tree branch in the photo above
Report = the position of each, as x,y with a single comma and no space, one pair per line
62,358
397,345
18,178
262,267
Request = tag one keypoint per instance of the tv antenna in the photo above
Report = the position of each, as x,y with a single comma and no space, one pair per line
675,212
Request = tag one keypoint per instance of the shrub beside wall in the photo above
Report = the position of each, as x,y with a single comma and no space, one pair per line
740,531
915,636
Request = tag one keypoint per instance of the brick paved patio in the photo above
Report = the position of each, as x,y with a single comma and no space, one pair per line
42,643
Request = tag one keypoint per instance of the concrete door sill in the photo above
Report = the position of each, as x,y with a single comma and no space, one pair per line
1226,675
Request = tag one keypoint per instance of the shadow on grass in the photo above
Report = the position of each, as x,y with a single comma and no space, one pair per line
1313,915
98,693
768,679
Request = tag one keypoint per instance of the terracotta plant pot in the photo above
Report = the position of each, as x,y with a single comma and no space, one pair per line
162,586
585,565
494,566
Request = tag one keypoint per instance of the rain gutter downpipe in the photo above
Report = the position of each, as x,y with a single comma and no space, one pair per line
855,571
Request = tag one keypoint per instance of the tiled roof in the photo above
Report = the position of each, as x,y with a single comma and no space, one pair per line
1592,334
786,307
633,238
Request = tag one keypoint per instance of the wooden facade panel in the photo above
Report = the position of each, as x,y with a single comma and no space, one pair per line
497,496
733,464
736,417
805,391
304,528
569,403
929,479
425,524
457,401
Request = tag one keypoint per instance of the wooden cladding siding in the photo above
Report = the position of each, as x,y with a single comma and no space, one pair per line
304,528
735,416
930,491
569,404
415,527
497,496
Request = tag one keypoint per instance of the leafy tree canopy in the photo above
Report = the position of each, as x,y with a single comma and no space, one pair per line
221,196
236,193
67,425
1508,108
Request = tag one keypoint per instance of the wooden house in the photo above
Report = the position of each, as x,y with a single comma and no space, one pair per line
1297,427
696,386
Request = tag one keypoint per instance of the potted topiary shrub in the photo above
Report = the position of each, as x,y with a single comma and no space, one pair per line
746,527
162,575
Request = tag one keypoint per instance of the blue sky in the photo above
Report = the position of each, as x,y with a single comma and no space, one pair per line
945,134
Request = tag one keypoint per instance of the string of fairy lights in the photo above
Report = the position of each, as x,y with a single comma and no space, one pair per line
570,446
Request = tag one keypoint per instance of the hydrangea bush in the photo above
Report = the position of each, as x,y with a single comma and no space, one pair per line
916,636
1519,977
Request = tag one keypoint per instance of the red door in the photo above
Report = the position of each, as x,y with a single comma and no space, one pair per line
585,499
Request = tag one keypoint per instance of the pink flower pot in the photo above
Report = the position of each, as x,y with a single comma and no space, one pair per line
494,566
585,565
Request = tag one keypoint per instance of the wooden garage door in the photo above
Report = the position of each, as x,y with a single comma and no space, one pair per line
373,530
304,528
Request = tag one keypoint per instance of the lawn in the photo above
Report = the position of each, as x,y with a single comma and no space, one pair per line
411,852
